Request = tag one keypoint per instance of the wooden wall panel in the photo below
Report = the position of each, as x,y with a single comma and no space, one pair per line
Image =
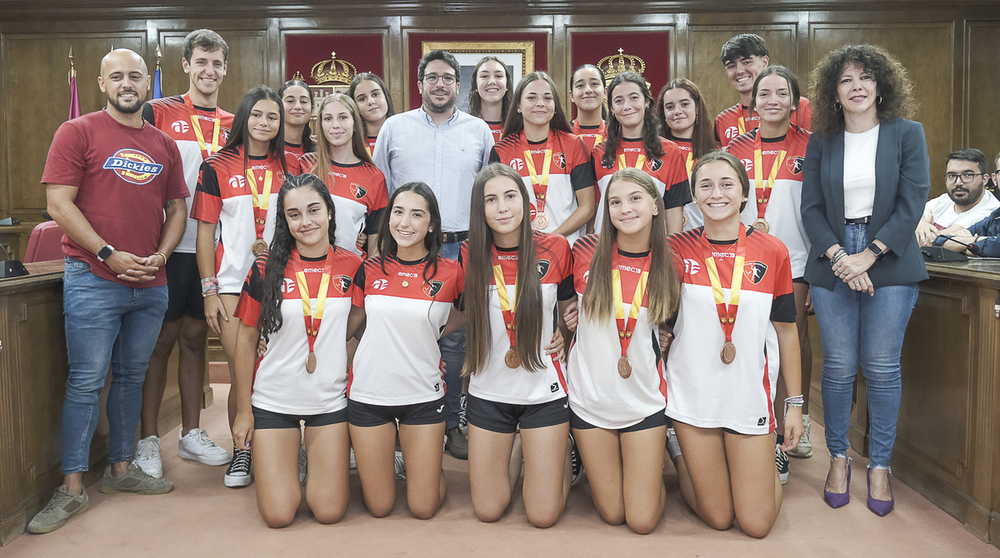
35,72
982,94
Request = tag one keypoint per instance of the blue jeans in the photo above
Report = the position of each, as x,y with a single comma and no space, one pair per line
453,353
106,324
857,328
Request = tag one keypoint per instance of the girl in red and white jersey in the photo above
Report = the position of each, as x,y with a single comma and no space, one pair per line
736,290
296,96
341,160
773,155
373,100
588,94
554,164
406,300
297,298
627,284
491,93
634,142
236,193
683,118
514,279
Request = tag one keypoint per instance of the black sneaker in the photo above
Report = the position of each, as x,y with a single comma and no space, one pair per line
574,458
457,444
463,421
781,461
240,471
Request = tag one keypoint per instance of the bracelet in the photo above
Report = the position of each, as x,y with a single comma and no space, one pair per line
209,286
837,256
162,255
796,401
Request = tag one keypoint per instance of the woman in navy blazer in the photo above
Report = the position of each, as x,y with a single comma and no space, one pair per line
865,182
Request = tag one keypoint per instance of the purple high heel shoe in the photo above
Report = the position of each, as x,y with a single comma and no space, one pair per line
837,499
880,508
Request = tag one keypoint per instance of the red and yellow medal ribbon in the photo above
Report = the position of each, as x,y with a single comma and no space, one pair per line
741,123
260,201
196,127
539,184
727,314
689,164
764,190
639,161
507,300
627,326
312,318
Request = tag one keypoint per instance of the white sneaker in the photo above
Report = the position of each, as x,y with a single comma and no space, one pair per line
198,446
399,466
147,456
303,465
354,464
240,472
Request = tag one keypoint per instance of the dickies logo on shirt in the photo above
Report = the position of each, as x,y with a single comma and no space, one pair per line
755,271
794,164
358,190
432,288
380,284
342,283
133,166
180,127
237,182
517,164
543,268
691,267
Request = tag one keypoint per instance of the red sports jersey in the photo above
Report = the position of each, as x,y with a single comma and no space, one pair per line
398,360
294,150
597,393
497,129
175,116
691,211
784,214
668,172
370,144
359,196
570,171
702,390
591,135
728,123
281,383
516,386
224,197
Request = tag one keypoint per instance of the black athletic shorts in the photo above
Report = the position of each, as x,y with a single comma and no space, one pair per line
264,420
184,288
505,417
652,421
364,414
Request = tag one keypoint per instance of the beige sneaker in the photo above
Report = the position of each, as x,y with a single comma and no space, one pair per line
58,511
136,481
805,447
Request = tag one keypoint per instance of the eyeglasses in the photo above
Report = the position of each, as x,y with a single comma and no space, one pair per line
448,79
966,177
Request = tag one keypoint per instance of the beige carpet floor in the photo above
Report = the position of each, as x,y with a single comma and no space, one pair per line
204,518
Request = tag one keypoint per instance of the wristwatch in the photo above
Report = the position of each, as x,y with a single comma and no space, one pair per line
105,252
874,249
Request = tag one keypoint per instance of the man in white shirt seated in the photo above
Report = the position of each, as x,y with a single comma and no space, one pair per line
966,202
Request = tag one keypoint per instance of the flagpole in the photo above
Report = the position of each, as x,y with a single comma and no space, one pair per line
74,97
157,83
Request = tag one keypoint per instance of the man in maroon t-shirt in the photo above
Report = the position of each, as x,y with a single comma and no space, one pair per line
116,187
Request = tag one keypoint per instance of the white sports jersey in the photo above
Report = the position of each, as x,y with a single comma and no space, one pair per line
359,198
398,361
597,393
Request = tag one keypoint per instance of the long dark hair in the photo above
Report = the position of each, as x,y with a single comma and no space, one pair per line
702,140
515,120
432,241
282,243
368,76
650,127
604,83
240,134
308,145
793,84
664,287
476,102
528,309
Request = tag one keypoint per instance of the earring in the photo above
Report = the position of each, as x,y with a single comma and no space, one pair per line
878,100
836,106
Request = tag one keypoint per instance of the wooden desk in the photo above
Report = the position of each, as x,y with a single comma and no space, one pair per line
15,239
948,436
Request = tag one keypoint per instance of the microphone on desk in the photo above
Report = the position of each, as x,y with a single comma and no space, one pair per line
9,267
973,249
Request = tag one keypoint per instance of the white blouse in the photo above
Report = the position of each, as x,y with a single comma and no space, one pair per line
859,173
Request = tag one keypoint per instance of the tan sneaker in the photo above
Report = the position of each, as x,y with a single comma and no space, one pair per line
136,481
58,511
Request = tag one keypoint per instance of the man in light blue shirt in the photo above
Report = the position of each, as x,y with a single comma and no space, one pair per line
444,148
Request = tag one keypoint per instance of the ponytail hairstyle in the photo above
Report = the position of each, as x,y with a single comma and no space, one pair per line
732,161
702,140
476,102
650,127
322,168
515,120
528,303
432,241
240,134
663,286
269,320
308,145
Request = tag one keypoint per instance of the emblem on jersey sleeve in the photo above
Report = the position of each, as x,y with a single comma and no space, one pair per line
747,164
180,127
341,283
543,268
517,164
432,288
691,267
560,160
732,132
358,190
133,166
237,182
794,164
655,164
755,271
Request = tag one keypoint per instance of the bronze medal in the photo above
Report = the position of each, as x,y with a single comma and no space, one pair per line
541,221
311,362
512,359
728,352
259,247
624,367
761,225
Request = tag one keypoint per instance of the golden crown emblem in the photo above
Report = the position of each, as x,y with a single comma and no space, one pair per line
616,64
333,71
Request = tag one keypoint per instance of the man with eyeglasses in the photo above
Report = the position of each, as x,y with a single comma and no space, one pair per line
964,204
445,148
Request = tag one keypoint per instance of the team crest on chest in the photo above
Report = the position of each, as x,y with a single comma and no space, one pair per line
794,164
133,166
432,288
358,190
655,164
755,271
543,268
560,159
341,283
